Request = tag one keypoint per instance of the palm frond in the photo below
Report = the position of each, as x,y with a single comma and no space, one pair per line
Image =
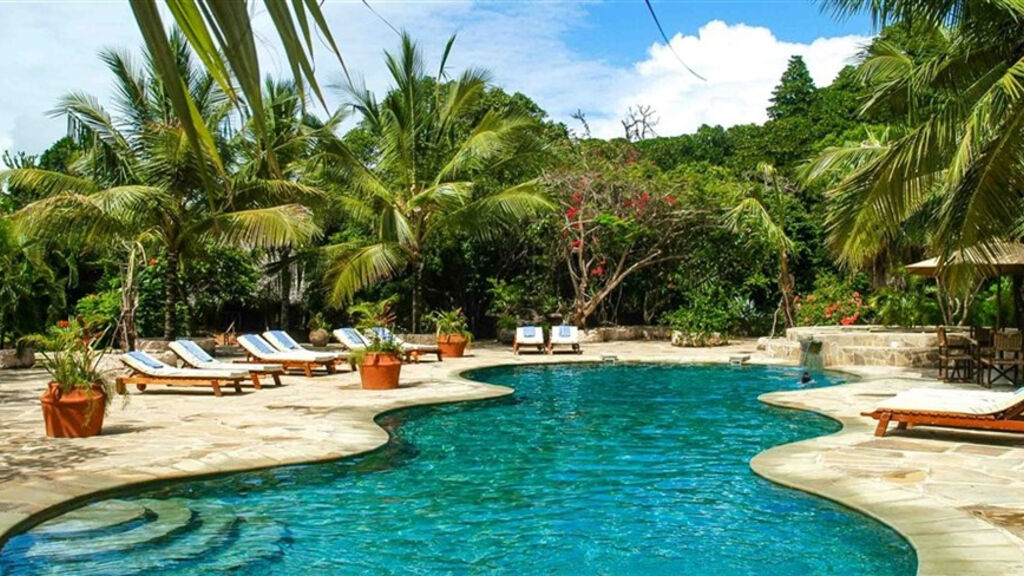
491,216
286,225
355,266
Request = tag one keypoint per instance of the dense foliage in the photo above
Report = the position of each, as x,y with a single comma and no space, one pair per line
452,194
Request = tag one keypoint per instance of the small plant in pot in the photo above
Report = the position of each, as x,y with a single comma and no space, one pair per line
380,363
77,396
453,333
318,334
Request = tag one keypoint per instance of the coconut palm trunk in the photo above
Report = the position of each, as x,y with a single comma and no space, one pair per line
171,294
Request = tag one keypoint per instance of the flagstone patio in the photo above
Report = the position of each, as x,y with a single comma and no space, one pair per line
957,496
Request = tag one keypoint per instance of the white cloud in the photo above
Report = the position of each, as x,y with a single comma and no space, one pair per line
52,49
742,65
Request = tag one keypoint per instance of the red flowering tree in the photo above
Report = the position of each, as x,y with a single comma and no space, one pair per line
619,216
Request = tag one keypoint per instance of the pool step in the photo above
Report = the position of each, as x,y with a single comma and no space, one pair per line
109,515
170,516
258,540
138,537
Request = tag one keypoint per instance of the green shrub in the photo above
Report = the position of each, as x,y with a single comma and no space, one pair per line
710,309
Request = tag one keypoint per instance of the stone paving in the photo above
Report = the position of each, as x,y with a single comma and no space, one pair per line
957,496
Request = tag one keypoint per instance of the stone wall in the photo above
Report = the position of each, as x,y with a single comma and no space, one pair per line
859,346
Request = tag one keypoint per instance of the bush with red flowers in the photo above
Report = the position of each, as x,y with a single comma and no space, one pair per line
834,302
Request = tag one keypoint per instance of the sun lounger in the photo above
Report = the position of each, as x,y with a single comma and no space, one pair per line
528,336
998,411
196,357
564,336
148,370
351,339
409,350
284,342
259,350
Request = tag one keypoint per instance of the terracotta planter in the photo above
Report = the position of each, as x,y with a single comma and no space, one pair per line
380,371
452,345
319,337
73,415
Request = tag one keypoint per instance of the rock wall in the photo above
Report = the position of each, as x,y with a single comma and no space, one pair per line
859,346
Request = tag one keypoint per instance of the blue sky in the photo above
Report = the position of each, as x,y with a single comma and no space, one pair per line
599,57
621,30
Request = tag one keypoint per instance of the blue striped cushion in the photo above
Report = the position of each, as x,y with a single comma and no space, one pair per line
146,360
257,343
195,350
284,338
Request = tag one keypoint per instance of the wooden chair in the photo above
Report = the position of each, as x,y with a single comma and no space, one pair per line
1006,359
997,411
956,363
981,348
146,370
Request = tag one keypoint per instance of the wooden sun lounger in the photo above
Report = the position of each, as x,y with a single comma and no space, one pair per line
197,358
141,376
1006,420
272,356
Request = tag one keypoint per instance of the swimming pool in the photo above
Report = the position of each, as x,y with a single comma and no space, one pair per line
611,469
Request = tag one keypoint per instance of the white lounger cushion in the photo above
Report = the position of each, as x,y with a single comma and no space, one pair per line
529,335
195,356
967,402
565,335
259,348
350,338
146,364
286,344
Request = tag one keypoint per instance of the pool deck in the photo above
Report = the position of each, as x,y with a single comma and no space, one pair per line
957,496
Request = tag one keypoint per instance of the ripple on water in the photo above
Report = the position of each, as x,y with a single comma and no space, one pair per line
591,468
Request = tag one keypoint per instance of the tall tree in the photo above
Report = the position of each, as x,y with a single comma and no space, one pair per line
795,92
960,109
140,178
422,181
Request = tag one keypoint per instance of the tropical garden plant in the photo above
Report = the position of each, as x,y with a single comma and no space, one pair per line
420,183
140,180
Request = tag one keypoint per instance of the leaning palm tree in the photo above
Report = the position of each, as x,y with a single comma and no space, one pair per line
962,112
140,177
421,182
763,213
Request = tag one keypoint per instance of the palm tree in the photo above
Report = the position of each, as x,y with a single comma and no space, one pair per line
961,139
421,182
221,35
140,177
763,213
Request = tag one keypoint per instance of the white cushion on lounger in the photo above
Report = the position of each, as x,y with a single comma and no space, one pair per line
969,402
146,364
259,348
286,343
565,335
195,356
350,338
524,335
387,335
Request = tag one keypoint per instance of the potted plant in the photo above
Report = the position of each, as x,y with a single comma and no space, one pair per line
380,363
318,334
77,396
452,332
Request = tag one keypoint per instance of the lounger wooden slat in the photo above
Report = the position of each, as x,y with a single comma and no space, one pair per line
1004,419
258,350
146,370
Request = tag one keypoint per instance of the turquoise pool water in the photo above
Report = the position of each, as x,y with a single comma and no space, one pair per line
588,469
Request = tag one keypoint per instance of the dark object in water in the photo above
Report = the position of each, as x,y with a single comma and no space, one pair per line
806,378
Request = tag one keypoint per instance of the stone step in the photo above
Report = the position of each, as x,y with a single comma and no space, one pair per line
258,540
213,527
102,516
169,517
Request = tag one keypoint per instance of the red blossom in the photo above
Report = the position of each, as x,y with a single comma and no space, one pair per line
152,261
63,323
671,200
571,212
577,197
577,243
597,271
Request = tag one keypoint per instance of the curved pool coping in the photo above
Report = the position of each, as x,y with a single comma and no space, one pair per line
948,538
924,521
